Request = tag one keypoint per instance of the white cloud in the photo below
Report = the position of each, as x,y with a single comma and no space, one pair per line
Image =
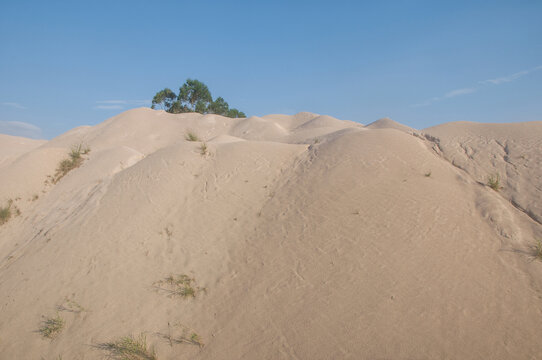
13,104
19,128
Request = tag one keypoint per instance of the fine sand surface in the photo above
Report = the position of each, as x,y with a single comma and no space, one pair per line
308,238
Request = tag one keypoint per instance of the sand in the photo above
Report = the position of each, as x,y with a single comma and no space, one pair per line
308,238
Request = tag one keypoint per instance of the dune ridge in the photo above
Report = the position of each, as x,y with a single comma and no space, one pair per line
307,237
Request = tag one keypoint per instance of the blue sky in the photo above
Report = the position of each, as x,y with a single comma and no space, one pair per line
70,63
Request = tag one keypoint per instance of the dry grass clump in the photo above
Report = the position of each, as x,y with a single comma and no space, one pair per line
494,182
129,348
190,136
74,160
51,327
203,150
178,285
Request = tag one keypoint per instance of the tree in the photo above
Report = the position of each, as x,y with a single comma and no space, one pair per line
194,96
177,108
219,106
164,98
194,92
234,113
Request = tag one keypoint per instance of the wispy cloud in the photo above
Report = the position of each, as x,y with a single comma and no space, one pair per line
19,128
510,78
13,105
470,90
120,104
459,92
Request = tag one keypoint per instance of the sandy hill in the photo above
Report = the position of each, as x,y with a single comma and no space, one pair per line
275,237
387,123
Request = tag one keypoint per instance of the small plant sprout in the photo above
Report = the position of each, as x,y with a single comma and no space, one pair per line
428,174
203,149
494,182
51,327
190,136
129,348
178,286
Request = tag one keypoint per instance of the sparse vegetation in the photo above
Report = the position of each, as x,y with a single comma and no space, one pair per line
74,161
51,327
203,149
187,336
129,348
178,285
35,197
494,182
428,174
190,136
70,306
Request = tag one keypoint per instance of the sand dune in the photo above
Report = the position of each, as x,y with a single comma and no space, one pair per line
308,238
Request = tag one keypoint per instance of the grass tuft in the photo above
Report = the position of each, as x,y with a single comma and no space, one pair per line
203,149
178,285
129,348
187,336
428,174
538,250
74,160
51,327
5,214
190,136
494,182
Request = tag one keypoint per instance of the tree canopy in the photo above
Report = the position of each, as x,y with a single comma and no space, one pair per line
194,96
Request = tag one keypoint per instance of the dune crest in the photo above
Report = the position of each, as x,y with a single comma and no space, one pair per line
274,237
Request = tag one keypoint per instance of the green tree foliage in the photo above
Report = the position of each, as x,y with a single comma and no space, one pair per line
194,96
234,113
164,99
219,106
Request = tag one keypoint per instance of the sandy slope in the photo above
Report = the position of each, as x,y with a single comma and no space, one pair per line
314,239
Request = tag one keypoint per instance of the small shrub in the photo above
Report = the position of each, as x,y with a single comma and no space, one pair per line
428,174
203,149
190,136
494,182
129,348
51,327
